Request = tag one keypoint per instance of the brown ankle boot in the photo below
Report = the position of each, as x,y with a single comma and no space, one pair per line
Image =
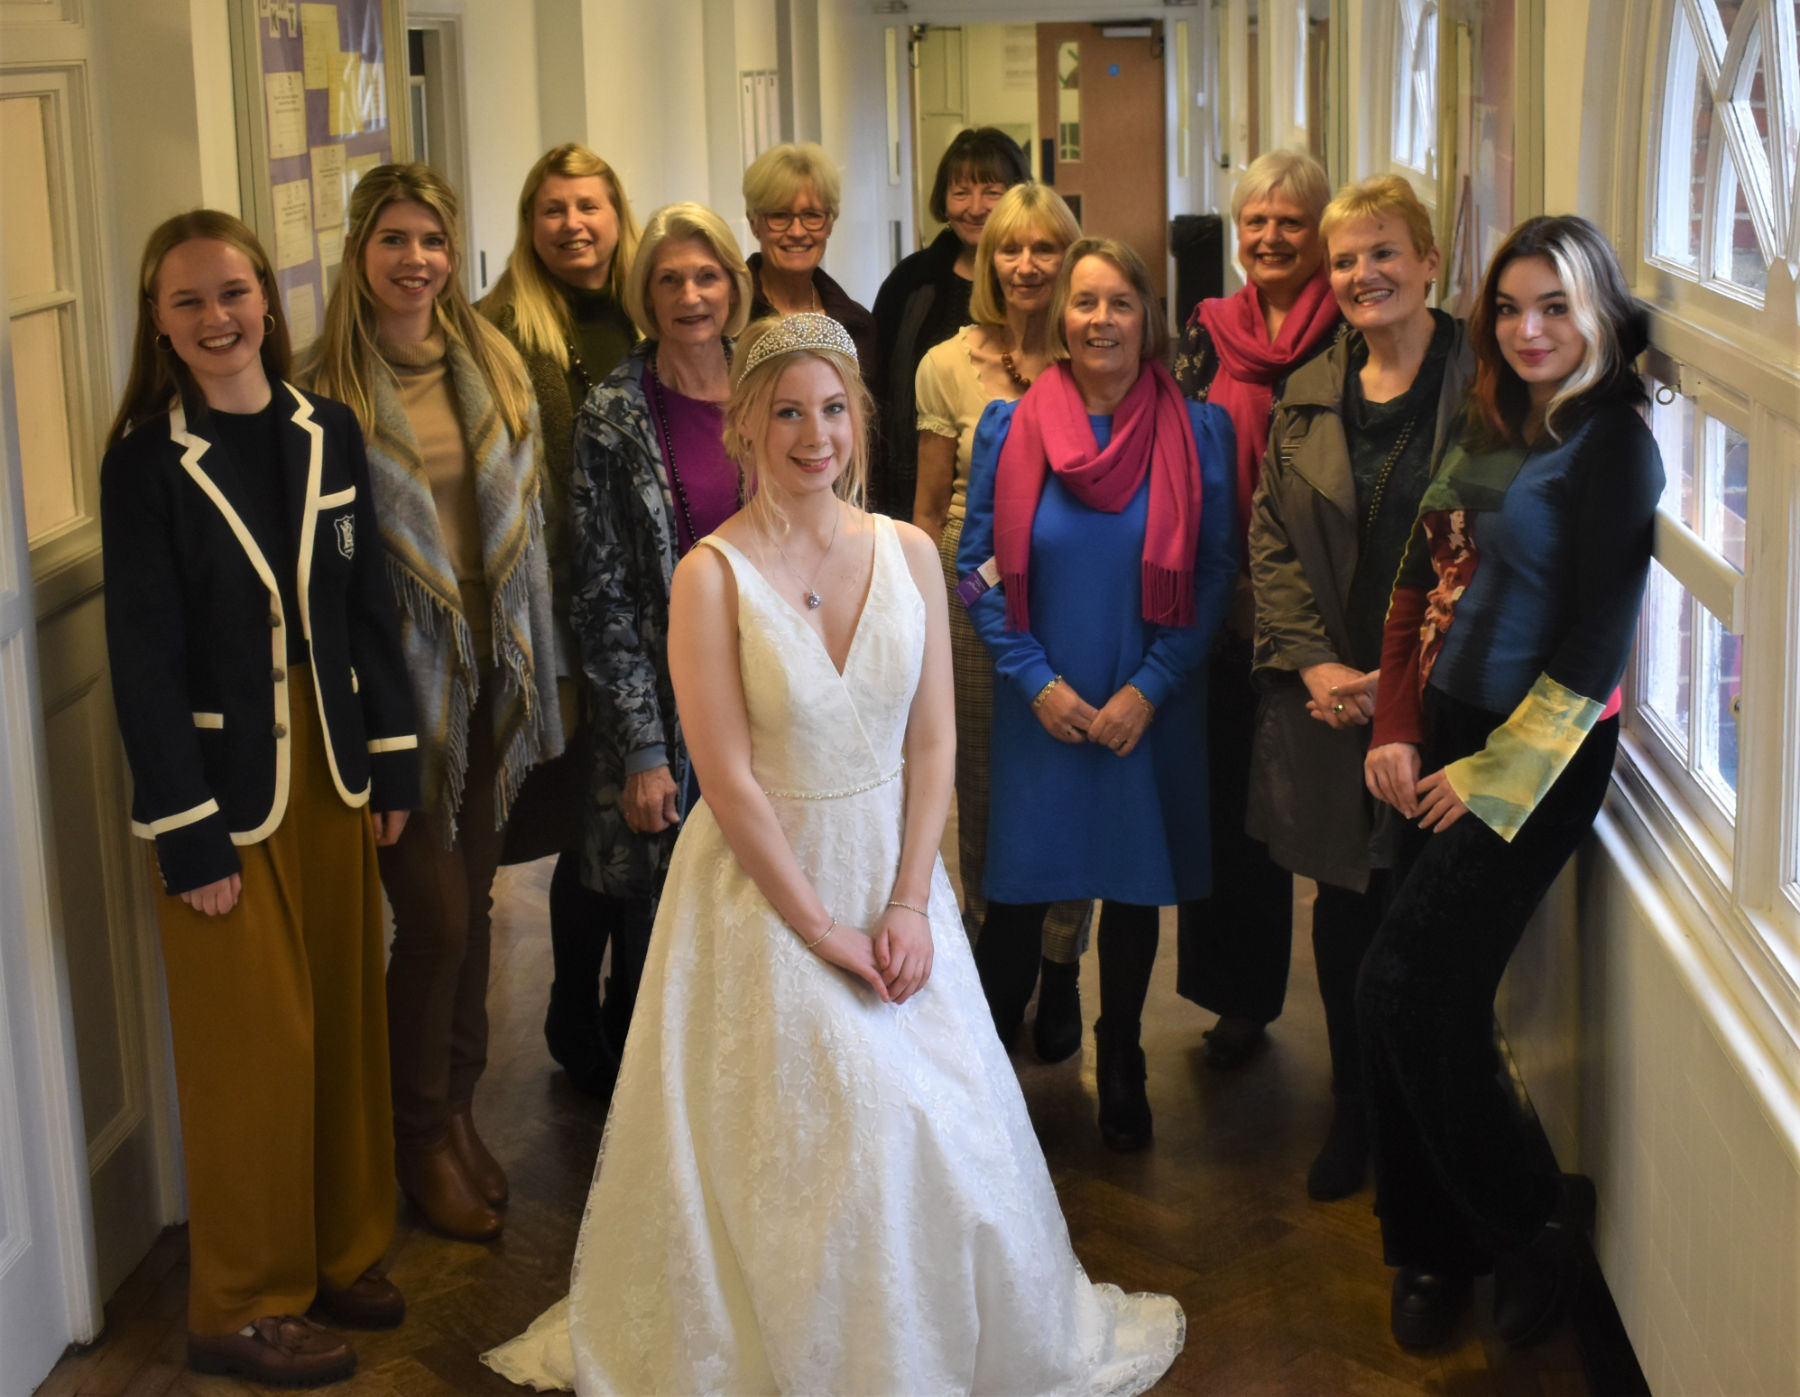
483,1169
435,1182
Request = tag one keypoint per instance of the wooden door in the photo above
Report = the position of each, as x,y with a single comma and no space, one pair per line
1101,112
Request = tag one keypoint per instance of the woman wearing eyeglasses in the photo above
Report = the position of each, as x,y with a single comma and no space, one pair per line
791,200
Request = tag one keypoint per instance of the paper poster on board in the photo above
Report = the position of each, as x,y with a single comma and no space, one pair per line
324,79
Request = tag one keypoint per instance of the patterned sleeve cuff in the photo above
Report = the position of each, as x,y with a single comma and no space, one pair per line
938,426
1503,782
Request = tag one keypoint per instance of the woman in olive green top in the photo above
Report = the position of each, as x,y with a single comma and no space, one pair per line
560,302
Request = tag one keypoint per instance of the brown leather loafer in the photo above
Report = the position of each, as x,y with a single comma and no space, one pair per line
483,1169
276,1351
371,1301
435,1182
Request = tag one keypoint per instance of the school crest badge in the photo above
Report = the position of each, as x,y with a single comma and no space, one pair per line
345,524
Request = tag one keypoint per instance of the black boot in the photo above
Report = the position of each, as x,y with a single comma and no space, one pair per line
1426,1305
1006,958
1534,1285
1057,1033
1343,1159
1125,1123
579,924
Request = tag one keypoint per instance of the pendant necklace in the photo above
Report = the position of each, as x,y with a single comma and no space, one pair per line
813,599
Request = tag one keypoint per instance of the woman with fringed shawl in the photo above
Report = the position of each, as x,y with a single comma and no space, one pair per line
453,445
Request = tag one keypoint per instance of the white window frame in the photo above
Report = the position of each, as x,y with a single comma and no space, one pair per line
1412,87
1732,352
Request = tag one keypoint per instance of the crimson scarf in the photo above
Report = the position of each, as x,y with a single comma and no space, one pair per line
1151,432
1250,366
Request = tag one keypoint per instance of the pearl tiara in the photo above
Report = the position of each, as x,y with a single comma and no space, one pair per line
807,330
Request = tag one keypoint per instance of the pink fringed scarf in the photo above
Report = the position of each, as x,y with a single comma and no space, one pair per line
1151,432
1250,366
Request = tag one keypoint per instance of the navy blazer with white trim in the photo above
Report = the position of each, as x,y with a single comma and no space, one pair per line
198,638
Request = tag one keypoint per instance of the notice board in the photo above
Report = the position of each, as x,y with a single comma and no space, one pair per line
315,87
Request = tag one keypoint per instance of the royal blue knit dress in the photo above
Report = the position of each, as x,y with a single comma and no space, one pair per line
1079,821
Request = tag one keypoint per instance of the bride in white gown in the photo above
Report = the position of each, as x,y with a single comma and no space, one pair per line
818,1175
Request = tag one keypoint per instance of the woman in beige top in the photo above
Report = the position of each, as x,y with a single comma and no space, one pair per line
1016,263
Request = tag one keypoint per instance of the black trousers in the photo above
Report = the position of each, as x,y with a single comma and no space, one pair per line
1344,923
1235,945
1454,1183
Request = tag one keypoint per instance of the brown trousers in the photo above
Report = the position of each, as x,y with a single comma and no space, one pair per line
281,1061
437,976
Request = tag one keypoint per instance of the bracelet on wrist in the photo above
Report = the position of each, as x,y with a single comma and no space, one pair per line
1044,693
820,938
1142,695
910,907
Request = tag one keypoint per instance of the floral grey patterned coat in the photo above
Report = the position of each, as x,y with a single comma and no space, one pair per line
622,556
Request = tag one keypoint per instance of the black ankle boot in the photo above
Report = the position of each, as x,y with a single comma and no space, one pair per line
1426,1305
1343,1159
1125,1123
1057,1033
1534,1285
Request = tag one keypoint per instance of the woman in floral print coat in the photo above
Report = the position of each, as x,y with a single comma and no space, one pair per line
651,476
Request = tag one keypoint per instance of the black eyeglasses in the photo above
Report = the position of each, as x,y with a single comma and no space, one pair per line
810,219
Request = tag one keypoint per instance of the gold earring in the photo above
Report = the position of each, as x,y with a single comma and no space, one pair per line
163,343
268,323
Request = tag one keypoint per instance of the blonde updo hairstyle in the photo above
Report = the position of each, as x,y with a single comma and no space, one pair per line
679,223
753,399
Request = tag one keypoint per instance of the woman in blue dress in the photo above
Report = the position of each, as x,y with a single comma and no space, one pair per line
1096,560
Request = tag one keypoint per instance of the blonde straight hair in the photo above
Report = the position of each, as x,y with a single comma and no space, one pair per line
540,313
346,355
1025,209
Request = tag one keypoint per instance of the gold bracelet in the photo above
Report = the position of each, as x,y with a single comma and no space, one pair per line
808,945
910,907
1141,694
1044,693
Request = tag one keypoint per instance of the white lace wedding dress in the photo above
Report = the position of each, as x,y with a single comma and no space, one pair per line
802,1189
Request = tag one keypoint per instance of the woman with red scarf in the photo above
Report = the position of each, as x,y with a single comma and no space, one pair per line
1096,560
1236,353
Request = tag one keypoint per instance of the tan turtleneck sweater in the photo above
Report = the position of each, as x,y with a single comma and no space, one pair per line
430,403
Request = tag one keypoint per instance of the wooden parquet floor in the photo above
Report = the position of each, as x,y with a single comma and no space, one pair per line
1283,1295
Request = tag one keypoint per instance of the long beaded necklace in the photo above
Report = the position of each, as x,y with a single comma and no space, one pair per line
580,370
1019,380
668,446
1387,469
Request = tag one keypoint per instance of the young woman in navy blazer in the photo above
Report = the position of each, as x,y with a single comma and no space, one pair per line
266,713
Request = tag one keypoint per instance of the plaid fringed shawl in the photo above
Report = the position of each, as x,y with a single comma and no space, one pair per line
439,647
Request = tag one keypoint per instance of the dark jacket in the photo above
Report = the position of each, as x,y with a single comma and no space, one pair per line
833,301
922,303
1307,798
621,520
198,638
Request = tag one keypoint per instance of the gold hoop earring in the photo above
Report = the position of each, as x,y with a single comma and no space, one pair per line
268,323
163,343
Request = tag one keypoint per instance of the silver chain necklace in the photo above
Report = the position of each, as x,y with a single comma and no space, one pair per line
813,599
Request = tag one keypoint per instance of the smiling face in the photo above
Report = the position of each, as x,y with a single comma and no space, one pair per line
795,249
575,229
407,261
1278,246
1103,323
210,304
967,203
1534,328
811,433
1378,277
690,293
1025,265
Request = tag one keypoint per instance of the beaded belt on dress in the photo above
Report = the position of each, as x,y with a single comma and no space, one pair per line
879,781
